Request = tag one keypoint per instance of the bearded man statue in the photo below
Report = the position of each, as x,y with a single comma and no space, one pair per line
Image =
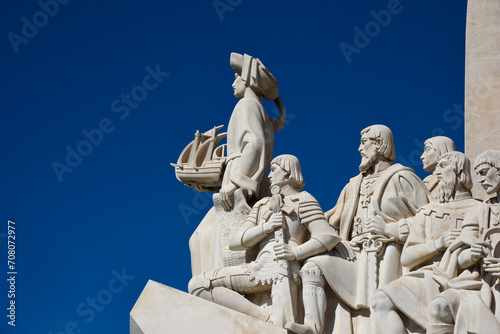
434,148
430,251
371,218
471,304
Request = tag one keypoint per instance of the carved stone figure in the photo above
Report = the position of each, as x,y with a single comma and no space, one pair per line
250,141
370,216
287,228
349,260
434,148
472,302
250,133
429,252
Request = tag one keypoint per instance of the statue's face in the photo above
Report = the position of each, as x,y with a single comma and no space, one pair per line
488,178
429,158
368,151
444,170
447,180
277,175
239,87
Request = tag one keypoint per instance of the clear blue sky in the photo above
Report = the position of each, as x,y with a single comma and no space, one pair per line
118,208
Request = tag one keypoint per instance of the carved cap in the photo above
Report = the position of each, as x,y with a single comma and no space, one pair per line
255,75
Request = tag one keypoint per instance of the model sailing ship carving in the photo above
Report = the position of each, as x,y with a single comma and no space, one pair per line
201,163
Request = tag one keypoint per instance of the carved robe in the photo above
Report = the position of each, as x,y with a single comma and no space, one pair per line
396,194
413,292
474,296
250,141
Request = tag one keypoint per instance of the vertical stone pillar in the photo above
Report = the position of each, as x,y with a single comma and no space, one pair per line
482,80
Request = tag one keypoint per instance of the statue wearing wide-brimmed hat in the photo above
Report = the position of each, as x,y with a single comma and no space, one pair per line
250,137
239,178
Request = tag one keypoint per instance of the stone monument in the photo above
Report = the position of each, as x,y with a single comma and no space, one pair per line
388,258
371,216
430,252
482,79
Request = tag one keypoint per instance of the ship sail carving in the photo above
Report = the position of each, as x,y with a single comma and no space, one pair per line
201,163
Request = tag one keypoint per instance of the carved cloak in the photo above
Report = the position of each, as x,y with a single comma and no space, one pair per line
250,141
474,296
397,194
412,293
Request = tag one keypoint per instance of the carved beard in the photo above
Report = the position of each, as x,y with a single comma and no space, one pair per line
367,161
446,188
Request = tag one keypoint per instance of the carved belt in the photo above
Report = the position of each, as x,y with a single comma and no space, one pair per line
371,242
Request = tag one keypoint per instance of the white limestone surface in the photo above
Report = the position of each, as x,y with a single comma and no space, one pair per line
482,80
163,310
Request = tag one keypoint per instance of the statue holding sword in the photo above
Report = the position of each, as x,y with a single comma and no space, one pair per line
287,229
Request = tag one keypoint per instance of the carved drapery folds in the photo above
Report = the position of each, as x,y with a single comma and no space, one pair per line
395,254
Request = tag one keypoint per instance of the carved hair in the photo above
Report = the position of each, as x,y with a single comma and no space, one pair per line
383,133
256,76
461,167
490,157
441,144
291,166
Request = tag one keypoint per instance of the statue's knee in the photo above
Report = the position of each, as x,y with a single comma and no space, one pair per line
310,273
198,284
440,310
435,307
194,284
380,302
310,268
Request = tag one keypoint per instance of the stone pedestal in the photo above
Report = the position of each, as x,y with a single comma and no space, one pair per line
482,79
164,310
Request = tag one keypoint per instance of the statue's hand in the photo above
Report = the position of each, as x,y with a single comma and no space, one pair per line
276,220
284,251
377,225
479,249
446,239
345,250
226,193
492,265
